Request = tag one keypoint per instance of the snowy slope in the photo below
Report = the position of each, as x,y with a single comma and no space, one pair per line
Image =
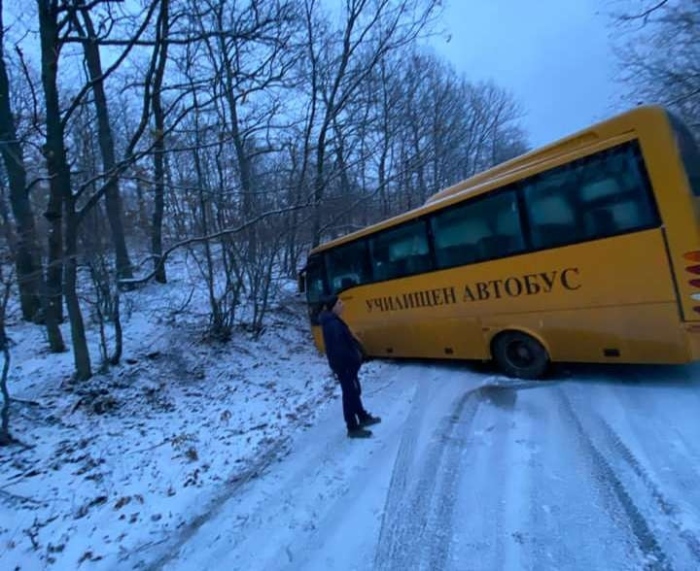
125,459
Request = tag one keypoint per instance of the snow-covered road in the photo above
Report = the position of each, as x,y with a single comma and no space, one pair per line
597,469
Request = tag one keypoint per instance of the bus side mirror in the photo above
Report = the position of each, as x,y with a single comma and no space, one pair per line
301,282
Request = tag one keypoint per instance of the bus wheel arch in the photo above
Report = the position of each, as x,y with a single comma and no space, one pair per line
520,354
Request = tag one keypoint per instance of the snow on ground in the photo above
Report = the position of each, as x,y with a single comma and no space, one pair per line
127,458
595,469
193,455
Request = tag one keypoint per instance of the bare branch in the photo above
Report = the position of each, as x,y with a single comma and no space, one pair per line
644,15
213,236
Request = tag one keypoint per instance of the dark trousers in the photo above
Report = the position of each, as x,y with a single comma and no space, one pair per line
353,411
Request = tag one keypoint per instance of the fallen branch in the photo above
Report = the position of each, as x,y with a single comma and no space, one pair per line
14,499
5,435
26,401
77,404
21,476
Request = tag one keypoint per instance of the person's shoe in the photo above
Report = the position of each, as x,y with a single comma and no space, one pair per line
359,432
369,420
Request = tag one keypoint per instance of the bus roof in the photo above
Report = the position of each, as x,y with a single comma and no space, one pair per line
514,169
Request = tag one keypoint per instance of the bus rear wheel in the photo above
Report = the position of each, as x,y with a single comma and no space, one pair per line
520,355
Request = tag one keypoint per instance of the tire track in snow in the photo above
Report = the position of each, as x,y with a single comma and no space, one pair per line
665,505
655,465
542,521
647,542
392,518
457,431
416,526
513,463
551,510
661,412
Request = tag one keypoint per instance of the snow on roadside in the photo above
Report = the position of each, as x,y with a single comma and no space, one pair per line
124,459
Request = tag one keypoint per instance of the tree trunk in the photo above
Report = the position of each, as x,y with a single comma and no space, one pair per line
27,257
57,167
118,333
158,207
5,436
61,193
81,354
319,187
245,170
106,141
159,148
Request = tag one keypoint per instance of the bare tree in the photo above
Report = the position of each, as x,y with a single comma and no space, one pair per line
82,21
389,93
55,154
643,13
339,62
27,256
236,65
57,19
660,59
431,128
155,78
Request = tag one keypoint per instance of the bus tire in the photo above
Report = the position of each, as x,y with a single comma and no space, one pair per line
520,355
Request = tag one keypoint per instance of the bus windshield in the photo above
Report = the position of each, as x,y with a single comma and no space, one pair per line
688,149
315,282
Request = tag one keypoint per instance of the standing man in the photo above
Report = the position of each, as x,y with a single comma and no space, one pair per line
345,358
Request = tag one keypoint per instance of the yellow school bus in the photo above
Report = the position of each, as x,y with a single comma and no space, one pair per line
587,250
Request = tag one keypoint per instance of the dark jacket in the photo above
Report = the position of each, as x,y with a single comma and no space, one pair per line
342,349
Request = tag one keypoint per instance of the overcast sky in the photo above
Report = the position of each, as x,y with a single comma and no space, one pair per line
553,55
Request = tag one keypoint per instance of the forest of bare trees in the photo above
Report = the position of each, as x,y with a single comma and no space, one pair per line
243,131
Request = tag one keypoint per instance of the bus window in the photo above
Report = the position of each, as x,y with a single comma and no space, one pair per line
508,238
617,198
348,266
551,212
402,251
482,230
596,197
315,283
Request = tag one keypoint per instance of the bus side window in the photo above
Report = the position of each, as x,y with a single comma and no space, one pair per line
620,201
602,195
348,265
599,222
496,246
315,287
618,216
380,261
457,239
509,237
628,214
552,218
596,207
401,251
484,229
